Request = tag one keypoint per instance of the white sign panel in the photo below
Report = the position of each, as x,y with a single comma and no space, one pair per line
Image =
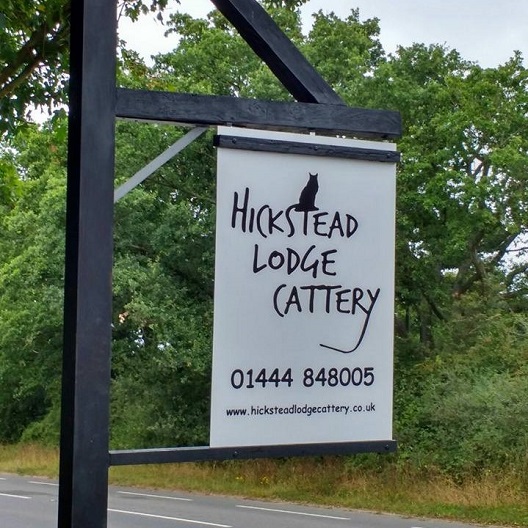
304,287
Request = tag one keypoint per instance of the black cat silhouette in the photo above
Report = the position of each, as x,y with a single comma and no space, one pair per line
307,197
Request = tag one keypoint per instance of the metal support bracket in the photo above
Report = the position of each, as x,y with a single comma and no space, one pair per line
158,162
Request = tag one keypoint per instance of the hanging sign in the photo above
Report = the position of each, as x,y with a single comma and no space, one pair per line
304,287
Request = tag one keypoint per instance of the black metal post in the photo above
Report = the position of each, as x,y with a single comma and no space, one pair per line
84,455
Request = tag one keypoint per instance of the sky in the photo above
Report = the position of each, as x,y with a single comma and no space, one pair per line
484,31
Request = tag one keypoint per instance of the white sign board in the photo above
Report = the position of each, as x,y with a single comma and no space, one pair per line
304,287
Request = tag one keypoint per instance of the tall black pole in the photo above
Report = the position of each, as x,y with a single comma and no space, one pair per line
88,291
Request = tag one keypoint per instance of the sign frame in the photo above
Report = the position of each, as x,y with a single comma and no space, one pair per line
309,147
95,103
285,265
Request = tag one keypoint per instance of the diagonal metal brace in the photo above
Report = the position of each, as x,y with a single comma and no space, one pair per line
269,42
156,163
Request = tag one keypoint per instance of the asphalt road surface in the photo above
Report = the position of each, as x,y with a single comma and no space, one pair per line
32,503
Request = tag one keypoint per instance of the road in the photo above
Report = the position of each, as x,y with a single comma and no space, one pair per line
32,503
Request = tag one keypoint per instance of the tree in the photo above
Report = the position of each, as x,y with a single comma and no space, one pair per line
163,273
34,46
461,213
163,285
355,50
462,197
34,40
31,271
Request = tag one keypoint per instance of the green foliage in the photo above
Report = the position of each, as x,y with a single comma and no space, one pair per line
465,410
462,344
462,182
9,184
466,423
163,301
355,50
34,58
31,302
209,45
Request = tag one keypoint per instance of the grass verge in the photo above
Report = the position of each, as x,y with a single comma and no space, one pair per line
500,499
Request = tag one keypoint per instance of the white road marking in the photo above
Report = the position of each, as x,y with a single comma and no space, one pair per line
192,521
42,483
152,495
294,512
14,496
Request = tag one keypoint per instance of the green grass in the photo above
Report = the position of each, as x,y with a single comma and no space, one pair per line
500,499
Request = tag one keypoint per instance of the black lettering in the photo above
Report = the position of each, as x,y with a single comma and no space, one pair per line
325,262
313,267
259,216
318,222
293,299
271,223
329,290
340,300
256,267
240,209
251,219
311,289
276,299
290,221
357,295
352,225
305,224
336,224
276,255
320,287
293,260
368,311
373,298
